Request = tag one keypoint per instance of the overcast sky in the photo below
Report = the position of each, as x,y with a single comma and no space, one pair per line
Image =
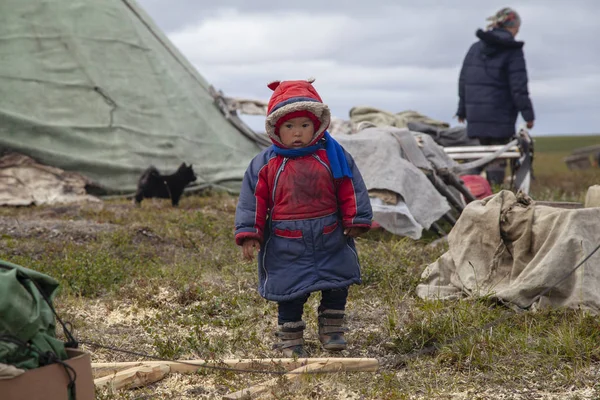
394,55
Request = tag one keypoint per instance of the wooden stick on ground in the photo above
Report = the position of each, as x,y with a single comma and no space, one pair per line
134,377
291,376
190,366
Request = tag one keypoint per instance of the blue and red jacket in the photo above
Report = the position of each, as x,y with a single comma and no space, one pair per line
297,211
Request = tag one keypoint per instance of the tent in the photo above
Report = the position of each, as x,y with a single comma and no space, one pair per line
94,87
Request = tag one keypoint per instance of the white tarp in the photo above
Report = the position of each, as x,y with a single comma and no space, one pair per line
378,155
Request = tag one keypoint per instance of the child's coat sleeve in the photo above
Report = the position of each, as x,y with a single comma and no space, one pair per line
353,199
251,211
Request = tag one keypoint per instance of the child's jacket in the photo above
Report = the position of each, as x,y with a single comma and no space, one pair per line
298,212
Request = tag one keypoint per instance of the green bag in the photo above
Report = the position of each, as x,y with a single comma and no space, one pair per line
27,318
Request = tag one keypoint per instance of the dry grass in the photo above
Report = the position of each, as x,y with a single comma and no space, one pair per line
170,282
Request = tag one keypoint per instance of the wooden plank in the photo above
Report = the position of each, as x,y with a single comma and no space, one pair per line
291,376
102,372
471,149
190,366
134,377
469,156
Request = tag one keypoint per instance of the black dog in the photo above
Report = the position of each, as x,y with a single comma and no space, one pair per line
153,184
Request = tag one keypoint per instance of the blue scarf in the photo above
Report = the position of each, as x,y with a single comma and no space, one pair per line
335,153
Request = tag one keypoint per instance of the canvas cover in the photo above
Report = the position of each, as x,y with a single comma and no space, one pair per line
509,248
95,87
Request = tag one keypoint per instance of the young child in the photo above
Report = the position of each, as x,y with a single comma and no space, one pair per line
302,202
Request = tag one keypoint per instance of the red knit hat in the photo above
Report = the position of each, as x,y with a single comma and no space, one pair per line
298,114
292,99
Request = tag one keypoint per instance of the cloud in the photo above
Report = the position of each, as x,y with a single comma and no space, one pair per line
230,48
232,37
394,55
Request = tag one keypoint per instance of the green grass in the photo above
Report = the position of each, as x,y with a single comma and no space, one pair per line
171,282
553,180
563,144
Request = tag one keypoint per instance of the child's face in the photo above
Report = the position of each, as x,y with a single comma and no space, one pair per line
297,132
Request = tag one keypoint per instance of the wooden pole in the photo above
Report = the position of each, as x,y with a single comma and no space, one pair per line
291,376
134,377
190,366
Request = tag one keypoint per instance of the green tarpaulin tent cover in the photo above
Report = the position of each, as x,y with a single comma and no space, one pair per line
96,88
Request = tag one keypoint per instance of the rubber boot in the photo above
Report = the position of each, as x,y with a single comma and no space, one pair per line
291,335
331,330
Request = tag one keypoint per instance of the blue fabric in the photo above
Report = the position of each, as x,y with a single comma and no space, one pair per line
290,268
304,151
493,86
335,153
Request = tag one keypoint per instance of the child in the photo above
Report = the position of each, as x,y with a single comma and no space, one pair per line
302,202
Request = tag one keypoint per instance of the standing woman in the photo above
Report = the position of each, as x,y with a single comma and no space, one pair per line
492,87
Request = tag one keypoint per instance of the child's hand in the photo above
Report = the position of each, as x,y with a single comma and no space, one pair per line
249,247
354,232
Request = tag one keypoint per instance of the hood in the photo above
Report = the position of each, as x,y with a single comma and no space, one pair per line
290,98
497,39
